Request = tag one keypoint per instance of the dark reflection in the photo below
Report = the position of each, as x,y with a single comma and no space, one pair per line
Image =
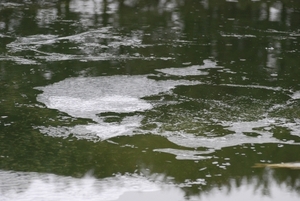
231,32
255,45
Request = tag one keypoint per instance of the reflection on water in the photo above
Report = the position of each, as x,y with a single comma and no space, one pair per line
163,100
37,186
246,192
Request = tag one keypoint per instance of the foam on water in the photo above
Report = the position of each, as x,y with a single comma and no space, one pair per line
88,108
94,132
296,95
215,143
24,186
254,87
19,60
95,87
191,70
238,36
185,154
261,128
87,97
90,46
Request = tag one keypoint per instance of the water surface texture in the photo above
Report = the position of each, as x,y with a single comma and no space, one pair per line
149,100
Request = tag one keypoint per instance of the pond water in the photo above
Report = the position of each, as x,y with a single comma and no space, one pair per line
149,100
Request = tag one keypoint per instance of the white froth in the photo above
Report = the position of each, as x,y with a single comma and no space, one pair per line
238,36
87,97
97,131
254,87
217,143
111,130
107,86
88,108
104,94
296,95
240,129
185,154
248,126
191,70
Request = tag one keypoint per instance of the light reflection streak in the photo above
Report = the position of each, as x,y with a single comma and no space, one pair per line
24,186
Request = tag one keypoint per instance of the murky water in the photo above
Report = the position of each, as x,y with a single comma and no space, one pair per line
149,100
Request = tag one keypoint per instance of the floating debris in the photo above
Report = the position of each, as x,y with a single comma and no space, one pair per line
295,165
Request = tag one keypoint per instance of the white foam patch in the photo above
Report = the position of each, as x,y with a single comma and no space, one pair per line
94,132
248,126
87,108
23,186
33,40
253,87
220,142
238,36
191,70
19,60
87,97
293,127
296,95
185,154
261,127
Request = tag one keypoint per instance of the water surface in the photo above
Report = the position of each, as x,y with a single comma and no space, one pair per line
144,100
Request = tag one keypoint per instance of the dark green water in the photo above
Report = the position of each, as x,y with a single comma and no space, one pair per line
149,100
